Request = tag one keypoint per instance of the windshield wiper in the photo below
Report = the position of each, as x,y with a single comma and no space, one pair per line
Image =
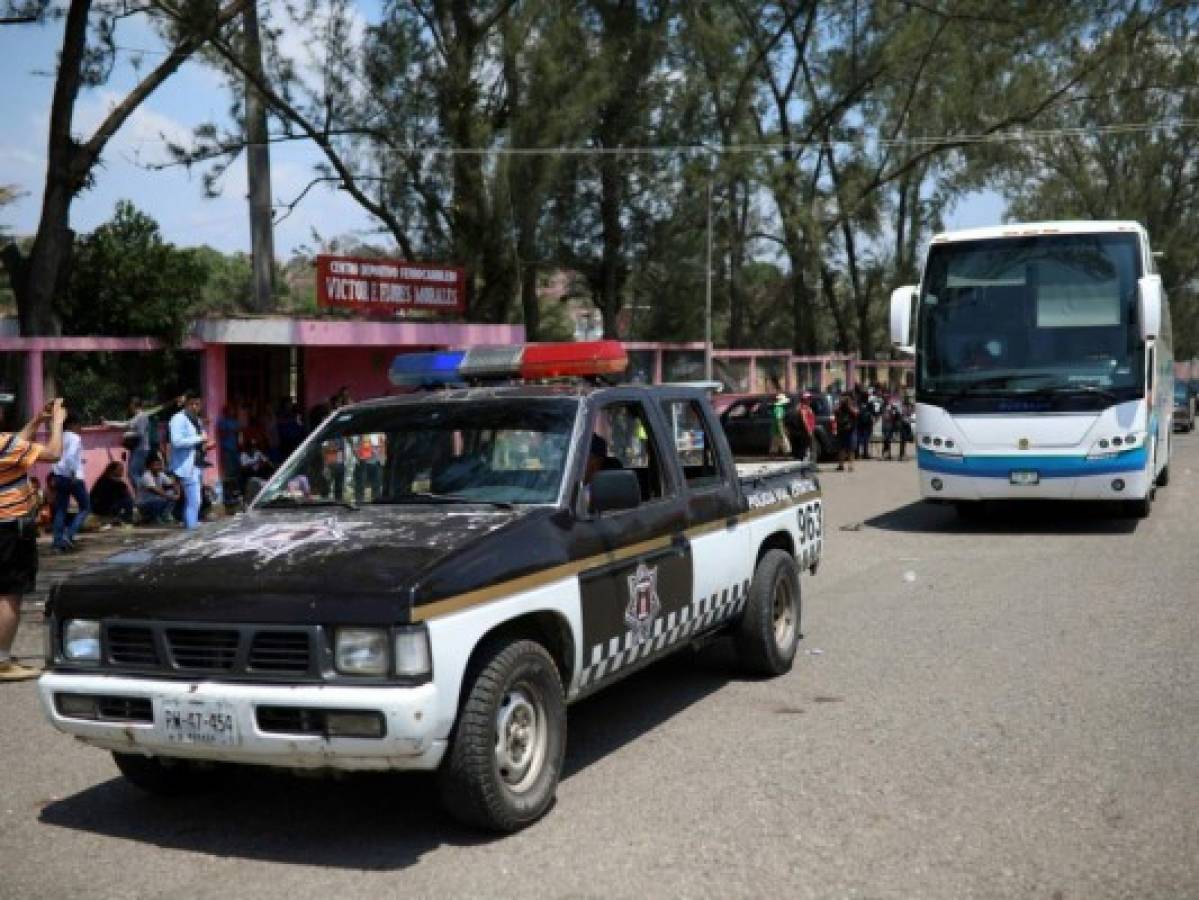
285,502
443,499
1051,389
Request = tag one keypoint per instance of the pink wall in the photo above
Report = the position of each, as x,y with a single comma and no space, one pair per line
364,369
100,447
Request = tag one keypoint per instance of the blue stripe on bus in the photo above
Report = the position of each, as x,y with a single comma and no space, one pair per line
1046,466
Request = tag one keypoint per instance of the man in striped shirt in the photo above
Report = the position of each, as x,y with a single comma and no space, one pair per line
18,526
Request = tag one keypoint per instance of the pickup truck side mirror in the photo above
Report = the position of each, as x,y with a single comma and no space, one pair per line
1149,306
613,490
902,299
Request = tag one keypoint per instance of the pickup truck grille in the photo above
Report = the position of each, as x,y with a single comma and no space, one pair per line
250,652
280,651
203,648
132,646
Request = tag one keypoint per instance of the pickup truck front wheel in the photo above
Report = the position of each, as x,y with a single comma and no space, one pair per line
503,765
768,635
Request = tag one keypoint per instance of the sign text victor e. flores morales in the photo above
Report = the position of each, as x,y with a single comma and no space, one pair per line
386,286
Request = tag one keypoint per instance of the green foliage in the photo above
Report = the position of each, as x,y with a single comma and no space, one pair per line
126,280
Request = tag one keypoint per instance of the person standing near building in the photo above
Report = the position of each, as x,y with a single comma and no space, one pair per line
69,482
187,441
136,438
846,418
780,444
228,430
18,526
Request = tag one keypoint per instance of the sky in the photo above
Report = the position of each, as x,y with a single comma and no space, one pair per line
175,196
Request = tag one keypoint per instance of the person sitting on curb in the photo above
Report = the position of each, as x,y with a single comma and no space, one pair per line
110,495
18,526
157,493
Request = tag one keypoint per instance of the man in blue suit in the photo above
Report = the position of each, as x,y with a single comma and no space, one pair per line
187,442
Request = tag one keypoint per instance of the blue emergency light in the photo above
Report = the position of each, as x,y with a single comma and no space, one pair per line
520,361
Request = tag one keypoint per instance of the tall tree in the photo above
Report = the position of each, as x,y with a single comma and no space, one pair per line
86,60
1143,164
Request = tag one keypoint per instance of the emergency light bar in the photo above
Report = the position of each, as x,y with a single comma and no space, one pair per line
580,359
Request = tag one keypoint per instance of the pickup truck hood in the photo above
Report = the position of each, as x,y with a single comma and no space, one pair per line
309,566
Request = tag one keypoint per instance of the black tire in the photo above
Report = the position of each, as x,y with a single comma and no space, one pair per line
768,634
1163,478
516,683
162,776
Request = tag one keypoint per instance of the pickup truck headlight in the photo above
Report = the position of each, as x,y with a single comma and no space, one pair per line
81,640
413,657
361,651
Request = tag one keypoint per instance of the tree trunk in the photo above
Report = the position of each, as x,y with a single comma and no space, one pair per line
39,276
258,171
611,280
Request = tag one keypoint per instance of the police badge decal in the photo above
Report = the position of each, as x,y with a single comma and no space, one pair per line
644,605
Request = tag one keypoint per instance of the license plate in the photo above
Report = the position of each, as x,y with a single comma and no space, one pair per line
1026,477
203,722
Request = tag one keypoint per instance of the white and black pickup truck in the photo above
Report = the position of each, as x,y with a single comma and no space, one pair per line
427,583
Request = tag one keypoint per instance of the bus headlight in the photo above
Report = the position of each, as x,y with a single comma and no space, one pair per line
940,445
1115,444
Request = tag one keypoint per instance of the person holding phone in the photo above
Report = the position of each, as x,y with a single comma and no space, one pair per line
18,525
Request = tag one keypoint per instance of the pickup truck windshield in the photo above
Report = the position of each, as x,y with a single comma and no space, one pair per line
498,451
1044,313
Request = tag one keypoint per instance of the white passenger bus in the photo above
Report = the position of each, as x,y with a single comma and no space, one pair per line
1043,365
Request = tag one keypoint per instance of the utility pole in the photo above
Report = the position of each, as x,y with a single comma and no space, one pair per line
258,170
708,295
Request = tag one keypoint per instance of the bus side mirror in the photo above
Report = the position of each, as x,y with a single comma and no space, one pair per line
1149,306
902,299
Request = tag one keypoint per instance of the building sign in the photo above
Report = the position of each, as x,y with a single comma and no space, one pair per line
385,286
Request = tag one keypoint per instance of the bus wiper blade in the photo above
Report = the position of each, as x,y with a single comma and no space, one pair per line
444,499
299,503
1099,392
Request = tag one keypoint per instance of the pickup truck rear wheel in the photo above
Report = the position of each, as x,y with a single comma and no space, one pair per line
161,776
768,635
501,771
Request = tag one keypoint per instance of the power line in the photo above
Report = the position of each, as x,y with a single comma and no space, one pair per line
701,150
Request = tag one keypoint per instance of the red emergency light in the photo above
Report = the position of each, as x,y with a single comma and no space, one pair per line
529,362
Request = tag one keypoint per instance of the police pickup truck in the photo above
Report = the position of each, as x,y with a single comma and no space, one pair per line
426,584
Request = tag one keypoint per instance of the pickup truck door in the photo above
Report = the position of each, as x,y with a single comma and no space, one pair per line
723,559
641,577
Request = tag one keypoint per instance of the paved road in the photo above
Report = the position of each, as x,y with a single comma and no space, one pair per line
1002,709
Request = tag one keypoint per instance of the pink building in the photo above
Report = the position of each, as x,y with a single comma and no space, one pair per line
258,362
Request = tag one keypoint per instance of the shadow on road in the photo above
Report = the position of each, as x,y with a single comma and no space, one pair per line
370,821
1009,517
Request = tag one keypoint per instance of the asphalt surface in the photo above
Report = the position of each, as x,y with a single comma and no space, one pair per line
1002,709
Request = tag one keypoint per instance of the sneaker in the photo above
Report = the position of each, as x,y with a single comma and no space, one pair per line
14,671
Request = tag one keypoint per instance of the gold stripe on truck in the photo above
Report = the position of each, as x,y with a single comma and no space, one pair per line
545,576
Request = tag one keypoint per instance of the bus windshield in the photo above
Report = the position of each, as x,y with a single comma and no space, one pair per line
1045,314
501,452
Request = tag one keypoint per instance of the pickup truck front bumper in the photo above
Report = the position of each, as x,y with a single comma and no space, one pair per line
133,719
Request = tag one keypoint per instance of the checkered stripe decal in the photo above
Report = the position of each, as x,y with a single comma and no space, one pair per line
623,650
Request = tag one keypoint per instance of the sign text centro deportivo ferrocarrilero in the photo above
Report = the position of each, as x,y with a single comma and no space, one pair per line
387,286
